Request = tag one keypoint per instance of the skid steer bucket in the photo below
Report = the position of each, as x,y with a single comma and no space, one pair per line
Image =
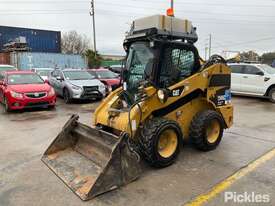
91,161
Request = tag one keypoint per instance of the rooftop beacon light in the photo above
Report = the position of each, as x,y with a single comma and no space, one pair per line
170,12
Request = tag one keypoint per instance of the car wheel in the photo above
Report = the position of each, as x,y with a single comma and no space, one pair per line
51,107
271,95
6,105
67,96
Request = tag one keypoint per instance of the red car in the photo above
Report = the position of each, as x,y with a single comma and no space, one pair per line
25,89
109,78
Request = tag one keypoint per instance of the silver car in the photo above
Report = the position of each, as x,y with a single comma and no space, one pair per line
76,84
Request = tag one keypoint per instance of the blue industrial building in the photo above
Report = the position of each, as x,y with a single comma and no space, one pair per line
37,40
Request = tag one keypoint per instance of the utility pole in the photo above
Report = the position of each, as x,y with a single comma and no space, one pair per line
172,4
92,13
206,50
170,11
210,45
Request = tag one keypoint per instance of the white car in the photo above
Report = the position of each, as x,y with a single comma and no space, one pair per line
44,73
253,80
5,67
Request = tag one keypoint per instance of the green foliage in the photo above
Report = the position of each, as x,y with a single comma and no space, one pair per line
268,58
249,56
265,58
94,61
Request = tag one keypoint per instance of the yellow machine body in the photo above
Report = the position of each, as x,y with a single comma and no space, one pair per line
205,99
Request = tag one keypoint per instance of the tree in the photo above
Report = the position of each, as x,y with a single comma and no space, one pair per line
93,62
74,43
268,58
249,56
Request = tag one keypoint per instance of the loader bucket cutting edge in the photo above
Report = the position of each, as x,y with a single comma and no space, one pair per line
91,161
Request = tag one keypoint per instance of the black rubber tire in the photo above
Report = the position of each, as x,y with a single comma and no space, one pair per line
270,95
198,126
67,96
148,141
51,107
6,108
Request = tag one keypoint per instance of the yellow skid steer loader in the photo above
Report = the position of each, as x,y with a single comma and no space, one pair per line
169,95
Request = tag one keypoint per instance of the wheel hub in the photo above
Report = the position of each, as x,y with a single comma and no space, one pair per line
167,143
213,131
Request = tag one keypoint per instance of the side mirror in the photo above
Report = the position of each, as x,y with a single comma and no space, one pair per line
46,81
260,73
59,78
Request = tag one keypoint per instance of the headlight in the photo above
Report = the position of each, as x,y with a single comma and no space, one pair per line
162,95
74,87
102,86
16,95
51,92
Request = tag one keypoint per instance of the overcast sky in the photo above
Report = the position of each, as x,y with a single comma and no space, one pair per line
235,25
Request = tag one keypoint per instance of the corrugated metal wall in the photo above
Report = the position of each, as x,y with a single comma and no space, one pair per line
4,58
38,40
29,60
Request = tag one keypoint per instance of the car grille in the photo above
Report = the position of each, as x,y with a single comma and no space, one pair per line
90,91
36,95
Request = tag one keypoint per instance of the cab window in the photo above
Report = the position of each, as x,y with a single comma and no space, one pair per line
177,64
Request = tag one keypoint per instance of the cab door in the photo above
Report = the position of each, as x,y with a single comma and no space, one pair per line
177,63
253,80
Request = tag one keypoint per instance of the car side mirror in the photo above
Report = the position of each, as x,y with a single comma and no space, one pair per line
59,78
260,73
46,81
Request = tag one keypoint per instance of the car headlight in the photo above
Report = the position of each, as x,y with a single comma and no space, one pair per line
51,92
74,87
16,95
102,87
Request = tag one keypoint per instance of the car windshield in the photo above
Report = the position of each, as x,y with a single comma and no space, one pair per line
106,75
7,68
116,68
43,72
14,79
267,68
78,75
140,58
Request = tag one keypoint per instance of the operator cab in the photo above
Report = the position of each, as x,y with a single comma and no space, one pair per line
160,55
